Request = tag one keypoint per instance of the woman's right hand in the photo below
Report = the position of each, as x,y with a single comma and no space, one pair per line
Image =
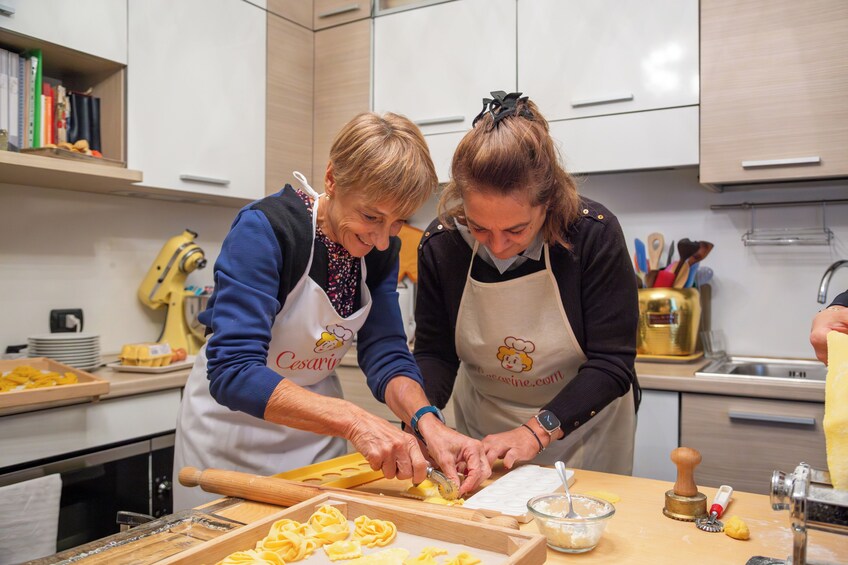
387,448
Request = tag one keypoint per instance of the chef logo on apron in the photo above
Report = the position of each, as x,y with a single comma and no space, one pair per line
514,355
335,336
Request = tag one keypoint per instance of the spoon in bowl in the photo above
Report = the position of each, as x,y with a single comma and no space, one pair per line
560,467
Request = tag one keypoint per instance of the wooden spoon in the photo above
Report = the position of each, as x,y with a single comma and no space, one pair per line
656,243
685,248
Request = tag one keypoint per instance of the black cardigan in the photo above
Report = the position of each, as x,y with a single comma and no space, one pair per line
597,286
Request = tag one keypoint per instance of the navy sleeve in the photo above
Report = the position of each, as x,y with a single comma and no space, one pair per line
381,342
247,281
841,300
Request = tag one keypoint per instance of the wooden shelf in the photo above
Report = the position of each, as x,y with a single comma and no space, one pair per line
36,170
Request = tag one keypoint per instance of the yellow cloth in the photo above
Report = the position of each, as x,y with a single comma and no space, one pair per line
836,409
410,237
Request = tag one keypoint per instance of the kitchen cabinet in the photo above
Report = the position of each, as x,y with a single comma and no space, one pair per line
289,95
297,11
617,80
773,83
657,435
196,112
335,12
342,86
95,27
435,64
622,142
580,58
743,440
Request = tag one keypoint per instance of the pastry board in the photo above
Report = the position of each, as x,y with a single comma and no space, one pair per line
118,366
416,530
87,385
509,494
347,471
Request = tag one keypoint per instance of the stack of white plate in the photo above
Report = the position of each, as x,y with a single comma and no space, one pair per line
80,350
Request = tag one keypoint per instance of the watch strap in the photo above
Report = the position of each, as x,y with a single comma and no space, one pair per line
421,412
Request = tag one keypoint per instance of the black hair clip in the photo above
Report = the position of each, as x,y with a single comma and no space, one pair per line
503,105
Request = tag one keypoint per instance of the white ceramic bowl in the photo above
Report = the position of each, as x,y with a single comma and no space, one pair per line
576,535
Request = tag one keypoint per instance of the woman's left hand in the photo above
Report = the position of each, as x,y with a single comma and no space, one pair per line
514,446
453,451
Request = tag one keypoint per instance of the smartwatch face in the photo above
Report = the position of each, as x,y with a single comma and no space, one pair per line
548,421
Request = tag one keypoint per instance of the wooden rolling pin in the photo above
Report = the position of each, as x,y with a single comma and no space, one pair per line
284,492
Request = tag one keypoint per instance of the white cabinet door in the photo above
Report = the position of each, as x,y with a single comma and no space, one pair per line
196,96
628,142
97,27
442,147
657,434
435,64
579,58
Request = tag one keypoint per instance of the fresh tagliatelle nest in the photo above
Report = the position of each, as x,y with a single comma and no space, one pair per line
290,541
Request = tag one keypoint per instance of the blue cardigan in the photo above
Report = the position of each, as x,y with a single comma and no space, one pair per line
262,258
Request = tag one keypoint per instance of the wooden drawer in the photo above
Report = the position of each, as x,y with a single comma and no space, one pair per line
356,391
742,440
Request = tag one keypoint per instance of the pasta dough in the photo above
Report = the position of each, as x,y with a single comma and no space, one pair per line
736,528
343,550
374,532
329,525
25,377
836,409
251,557
463,558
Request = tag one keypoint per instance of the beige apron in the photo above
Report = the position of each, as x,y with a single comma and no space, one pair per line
517,352
308,339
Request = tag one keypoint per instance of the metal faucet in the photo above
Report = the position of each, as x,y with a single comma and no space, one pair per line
822,298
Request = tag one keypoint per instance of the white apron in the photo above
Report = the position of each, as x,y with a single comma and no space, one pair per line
308,339
517,352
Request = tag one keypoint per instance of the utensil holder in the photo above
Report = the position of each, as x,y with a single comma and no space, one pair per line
669,319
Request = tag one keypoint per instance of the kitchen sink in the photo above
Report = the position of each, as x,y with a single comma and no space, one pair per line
770,368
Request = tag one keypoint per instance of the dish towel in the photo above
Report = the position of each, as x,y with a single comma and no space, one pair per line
836,409
29,519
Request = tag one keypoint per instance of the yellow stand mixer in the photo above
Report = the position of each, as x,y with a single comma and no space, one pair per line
164,285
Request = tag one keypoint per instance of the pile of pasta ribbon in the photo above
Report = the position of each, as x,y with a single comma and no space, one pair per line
25,377
289,541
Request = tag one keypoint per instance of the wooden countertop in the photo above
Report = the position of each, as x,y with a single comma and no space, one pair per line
639,533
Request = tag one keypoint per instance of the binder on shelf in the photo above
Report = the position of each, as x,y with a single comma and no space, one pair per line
35,76
4,91
84,121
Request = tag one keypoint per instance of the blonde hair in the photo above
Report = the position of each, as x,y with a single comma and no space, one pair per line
526,360
387,159
515,155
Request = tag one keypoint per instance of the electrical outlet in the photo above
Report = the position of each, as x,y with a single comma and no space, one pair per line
66,320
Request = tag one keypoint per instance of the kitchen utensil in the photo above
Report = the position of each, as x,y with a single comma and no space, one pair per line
656,244
665,278
685,249
704,276
713,524
447,489
681,275
813,504
704,248
651,278
668,259
509,494
668,321
560,467
641,255
693,271
283,492
684,502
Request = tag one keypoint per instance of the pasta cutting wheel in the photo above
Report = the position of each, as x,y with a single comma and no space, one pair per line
712,523
447,489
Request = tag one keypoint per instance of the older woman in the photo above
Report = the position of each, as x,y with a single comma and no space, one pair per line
298,275
527,307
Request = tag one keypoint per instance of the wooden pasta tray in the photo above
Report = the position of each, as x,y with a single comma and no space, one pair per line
88,386
509,547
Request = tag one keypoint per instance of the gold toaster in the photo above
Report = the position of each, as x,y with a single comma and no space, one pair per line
668,321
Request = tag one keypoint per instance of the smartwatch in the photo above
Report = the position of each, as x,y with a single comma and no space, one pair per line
548,420
421,412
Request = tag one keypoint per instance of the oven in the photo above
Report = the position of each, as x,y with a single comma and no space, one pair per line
97,483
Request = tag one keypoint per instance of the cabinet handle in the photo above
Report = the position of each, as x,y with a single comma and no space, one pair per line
338,11
773,418
814,160
6,10
607,100
207,180
445,120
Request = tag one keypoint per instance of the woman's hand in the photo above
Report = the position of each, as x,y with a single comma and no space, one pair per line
832,318
454,452
387,448
514,446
